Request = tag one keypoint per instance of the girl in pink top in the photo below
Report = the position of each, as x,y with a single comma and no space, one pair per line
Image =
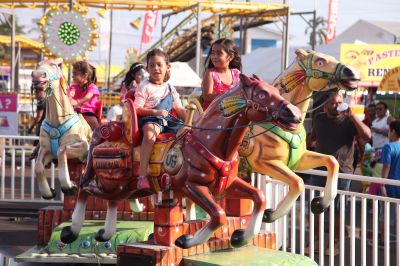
84,93
223,69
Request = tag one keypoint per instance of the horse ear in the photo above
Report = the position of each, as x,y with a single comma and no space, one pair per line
256,77
301,54
58,61
245,79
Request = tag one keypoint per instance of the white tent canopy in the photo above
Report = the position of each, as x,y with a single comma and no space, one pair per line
182,75
266,62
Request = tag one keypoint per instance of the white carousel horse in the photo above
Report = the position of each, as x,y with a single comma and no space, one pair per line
64,134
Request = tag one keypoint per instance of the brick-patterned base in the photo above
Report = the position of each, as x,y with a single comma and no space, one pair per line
147,253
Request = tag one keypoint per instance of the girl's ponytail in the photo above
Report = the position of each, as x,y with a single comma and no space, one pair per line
93,76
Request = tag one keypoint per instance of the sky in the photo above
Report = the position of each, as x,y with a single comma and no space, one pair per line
124,36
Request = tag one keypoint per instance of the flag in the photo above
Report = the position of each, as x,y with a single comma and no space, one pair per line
332,18
149,25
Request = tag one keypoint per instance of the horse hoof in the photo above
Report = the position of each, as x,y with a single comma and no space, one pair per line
183,240
53,195
70,191
267,216
67,236
150,237
100,236
316,205
237,239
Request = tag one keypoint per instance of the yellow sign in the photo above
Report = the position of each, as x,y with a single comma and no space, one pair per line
391,80
372,60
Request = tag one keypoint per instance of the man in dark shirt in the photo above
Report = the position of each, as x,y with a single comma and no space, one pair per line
40,96
334,133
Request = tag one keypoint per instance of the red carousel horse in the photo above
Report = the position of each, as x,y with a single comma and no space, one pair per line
208,167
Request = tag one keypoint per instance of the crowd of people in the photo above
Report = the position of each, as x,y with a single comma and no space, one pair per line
335,132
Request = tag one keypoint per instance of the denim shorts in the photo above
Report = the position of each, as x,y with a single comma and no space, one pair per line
164,125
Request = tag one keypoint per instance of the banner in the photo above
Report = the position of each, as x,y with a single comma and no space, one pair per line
8,114
391,80
372,60
332,18
149,25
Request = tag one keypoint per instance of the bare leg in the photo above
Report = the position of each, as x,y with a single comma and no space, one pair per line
150,133
92,121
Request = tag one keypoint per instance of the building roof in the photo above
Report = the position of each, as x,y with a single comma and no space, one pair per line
371,32
390,26
25,42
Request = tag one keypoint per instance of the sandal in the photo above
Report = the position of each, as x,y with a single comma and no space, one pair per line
143,183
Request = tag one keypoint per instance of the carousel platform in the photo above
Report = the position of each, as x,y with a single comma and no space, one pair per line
249,255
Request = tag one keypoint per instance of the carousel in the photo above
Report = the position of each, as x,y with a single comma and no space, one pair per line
107,219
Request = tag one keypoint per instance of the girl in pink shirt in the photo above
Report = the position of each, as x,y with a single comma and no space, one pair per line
84,93
223,69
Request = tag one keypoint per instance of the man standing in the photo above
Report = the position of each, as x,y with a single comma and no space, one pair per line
334,133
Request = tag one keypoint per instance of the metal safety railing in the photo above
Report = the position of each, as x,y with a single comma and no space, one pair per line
17,176
358,221
295,232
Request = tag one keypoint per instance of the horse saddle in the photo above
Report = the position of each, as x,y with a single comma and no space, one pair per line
160,149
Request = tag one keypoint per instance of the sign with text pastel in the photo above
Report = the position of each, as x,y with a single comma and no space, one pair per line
8,114
373,61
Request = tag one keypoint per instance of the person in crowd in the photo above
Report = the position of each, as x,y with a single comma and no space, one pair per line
380,127
370,114
333,133
84,93
132,80
390,158
223,66
154,101
40,96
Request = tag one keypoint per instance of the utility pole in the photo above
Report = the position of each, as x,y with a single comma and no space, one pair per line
198,39
13,79
314,39
285,46
109,51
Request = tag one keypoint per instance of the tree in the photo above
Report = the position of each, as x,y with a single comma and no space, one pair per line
5,26
320,30
5,29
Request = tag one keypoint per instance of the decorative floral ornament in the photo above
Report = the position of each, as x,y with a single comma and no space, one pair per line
68,33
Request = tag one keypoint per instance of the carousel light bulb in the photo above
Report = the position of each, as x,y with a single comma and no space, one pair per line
102,13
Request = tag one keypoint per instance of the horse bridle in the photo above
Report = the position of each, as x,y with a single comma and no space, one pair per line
46,85
319,74
252,104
